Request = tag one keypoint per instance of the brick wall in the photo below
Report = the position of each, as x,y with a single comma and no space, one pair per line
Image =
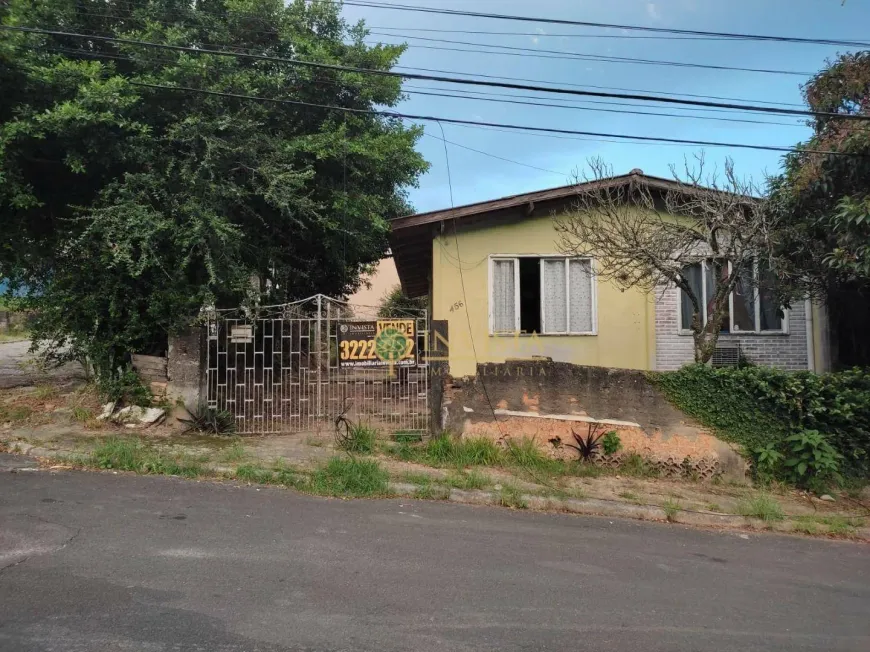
783,351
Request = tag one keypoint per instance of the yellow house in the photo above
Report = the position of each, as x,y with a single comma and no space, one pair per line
494,273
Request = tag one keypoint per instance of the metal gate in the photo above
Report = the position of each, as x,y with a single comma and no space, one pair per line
279,369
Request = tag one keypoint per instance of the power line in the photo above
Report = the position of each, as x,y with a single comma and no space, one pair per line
485,98
473,82
553,35
564,55
80,11
561,21
407,116
500,158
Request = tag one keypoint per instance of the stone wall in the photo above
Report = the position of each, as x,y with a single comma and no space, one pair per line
186,367
673,349
544,400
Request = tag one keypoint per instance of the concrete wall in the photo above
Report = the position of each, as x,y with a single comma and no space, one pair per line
380,283
674,349
545,400
625,331
186,367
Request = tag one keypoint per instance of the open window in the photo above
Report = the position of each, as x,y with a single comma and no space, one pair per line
552,295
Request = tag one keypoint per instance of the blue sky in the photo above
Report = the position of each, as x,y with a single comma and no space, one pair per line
477,177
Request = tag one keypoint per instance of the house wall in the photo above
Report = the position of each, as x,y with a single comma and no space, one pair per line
625,330
674,349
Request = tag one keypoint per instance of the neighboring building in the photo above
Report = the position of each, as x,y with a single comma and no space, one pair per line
375,286
494,273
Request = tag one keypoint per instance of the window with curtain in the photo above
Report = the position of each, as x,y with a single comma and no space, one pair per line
560,293
752,307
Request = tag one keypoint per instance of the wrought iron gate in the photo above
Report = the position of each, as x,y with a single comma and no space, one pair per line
280,370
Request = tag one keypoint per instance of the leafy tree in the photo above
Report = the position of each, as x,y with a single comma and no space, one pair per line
128,208
822,201
397,304
826,197
647,235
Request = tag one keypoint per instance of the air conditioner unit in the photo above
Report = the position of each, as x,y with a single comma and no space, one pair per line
726,355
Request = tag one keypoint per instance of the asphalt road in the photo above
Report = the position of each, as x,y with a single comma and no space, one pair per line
115,562
16,368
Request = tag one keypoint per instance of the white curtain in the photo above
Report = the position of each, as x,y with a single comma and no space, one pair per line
580,283
503,296
555,300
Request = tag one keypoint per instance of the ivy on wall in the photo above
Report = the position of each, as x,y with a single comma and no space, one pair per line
756,406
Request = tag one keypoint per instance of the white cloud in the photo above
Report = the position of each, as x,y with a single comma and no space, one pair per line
653,11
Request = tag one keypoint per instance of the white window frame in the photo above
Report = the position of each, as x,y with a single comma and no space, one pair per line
705,269
593,280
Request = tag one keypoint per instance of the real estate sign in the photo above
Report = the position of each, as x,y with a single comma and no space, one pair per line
380,343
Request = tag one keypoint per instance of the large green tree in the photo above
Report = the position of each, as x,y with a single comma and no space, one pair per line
126,208
823,206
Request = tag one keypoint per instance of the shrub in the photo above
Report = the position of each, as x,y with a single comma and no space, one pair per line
126,387
448,450
757,406
767,460
812,461
611,442
348,476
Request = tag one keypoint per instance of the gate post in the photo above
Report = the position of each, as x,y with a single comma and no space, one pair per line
317,358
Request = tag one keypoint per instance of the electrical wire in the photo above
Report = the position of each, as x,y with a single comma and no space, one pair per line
581,23
543,34
538,53
407,116
500,158
473,82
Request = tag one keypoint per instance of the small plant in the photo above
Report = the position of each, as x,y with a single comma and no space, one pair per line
235,452
349,476
468,480
611,442
671,508
714,507
812,461
761,506
126,387
358,438
15,413
118,453
587,446
511,496
82,414
628,495
44,392
253,473
767,461
635,465
209,420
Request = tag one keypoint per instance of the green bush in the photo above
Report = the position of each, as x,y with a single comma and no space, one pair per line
611,442
757,406
448,450
812,461
359,439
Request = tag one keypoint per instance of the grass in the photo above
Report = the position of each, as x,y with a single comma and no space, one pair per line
671,508
82,414
628,495
837,525
361,439
347,476
636,466
15,413
761,506
714,507
254,473
449,451
511,496
44,392
233,453
314,441
468,480
125,454
14,336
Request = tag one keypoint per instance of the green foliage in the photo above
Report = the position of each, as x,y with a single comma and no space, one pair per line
758,406
396,304
611,442
526,454
360,439
812,461
211,421
254,473
348,476
126,208
767,460
125,386
468,480
671,508
82,414
451,451
511,496
761,506
127,454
